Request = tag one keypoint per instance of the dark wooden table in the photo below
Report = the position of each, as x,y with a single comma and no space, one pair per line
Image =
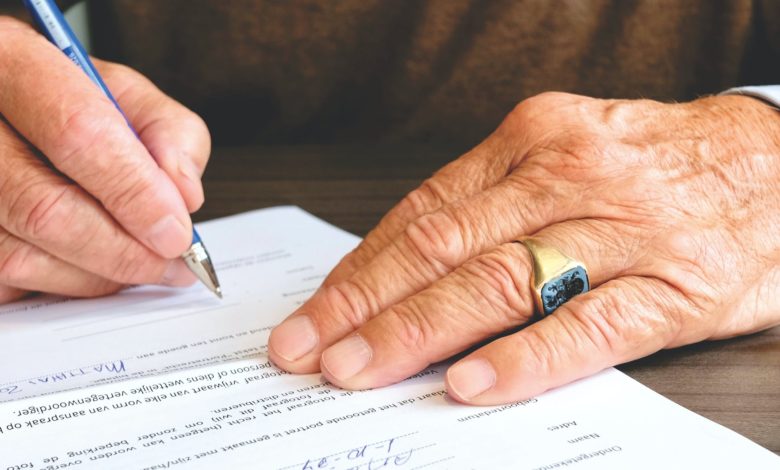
735,383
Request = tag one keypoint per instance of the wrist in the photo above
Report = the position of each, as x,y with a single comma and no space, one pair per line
769,94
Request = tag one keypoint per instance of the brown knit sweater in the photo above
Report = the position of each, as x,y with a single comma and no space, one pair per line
439,70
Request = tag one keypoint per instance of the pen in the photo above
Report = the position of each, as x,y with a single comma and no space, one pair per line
54,26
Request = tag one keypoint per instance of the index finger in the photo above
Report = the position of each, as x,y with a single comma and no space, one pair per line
53,104
479,169
176,137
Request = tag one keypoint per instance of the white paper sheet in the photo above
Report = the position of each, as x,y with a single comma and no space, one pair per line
268,262
160,378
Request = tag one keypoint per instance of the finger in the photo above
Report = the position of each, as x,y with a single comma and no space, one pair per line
623,320
477,170
43,209
61,112
10,294
175,136
486,296
26,267
429,249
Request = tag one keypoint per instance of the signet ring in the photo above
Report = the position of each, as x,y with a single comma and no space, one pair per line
556,278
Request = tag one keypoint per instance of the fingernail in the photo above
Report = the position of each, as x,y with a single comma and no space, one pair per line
347,357
471,377
294,338
178,275
167,237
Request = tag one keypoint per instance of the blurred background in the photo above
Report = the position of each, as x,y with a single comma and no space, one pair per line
439,72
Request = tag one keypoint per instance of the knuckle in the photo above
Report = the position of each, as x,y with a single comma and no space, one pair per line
356,258
428,197
543,102
82,127
538,352
693,263
556,96
617,112
595,323
555,120
504,280
131,187
410,328
41,212
134,265
126,270
619,319
438,238
659,312
539,201
349,303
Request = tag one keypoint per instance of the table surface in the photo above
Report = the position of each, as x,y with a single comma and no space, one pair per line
735,383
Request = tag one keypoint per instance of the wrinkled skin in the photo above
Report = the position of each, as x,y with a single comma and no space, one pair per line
673,208
93,209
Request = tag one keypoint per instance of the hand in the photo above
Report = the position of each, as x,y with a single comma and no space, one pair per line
93,208
673,208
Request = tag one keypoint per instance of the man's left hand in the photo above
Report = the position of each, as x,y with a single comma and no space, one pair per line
673,208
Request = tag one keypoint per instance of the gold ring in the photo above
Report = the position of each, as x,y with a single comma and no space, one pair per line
556,278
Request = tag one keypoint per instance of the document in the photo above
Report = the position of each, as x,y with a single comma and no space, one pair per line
159,378
268,261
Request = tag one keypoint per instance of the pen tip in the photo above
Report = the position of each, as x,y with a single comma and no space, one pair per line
218,291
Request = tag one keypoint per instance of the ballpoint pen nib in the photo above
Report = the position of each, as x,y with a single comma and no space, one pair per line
199,262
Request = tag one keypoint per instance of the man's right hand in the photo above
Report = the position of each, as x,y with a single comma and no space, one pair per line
85,207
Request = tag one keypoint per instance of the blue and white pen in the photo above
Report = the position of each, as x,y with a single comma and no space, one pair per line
49,18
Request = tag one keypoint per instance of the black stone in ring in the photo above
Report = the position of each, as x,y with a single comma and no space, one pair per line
561,289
